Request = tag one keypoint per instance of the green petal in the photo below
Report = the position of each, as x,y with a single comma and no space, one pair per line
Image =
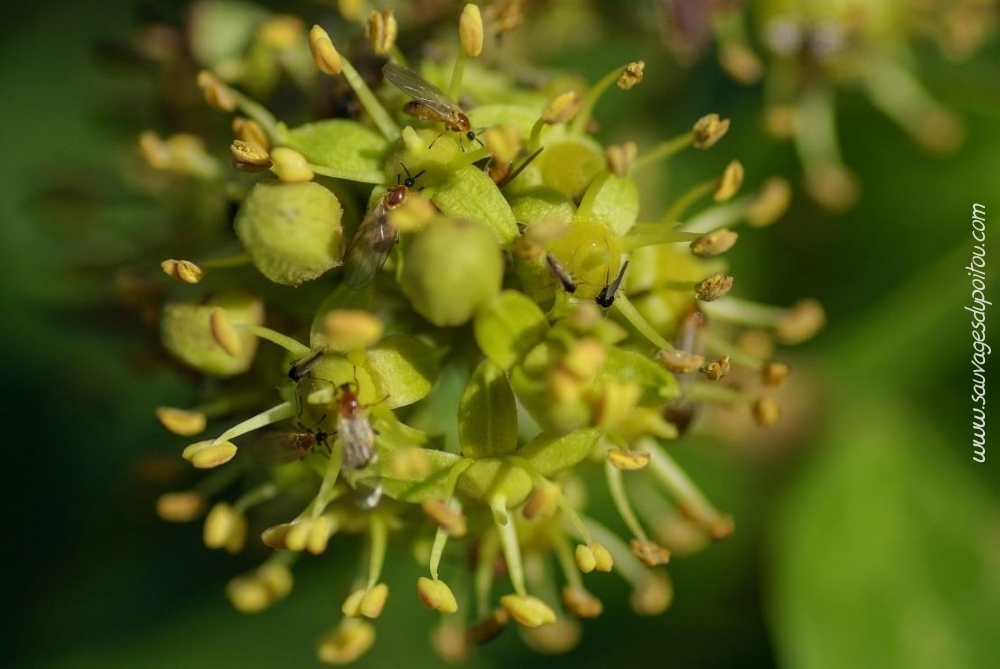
508,327
616,204
340,148
487,415
486,478
553,453
470,194
404,368
658,385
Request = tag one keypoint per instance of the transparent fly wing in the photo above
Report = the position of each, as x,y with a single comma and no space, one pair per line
369,248
274,447
420,90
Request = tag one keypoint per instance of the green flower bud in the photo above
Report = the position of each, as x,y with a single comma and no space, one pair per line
570,166
451,269
186,331
291,231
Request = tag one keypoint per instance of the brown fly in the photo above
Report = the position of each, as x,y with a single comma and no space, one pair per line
429,102
370,246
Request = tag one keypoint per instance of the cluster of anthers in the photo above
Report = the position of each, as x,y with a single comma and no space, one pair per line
496,322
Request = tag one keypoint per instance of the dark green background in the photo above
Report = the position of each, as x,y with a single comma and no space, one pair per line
869,539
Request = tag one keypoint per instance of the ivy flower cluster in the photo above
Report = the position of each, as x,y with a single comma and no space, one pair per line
444,314
805,52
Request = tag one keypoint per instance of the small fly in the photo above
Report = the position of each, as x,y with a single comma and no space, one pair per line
429,102
277,447
607,295
357,439
300,368
562,274
370,246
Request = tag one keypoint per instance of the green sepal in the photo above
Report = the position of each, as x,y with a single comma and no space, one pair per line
553,453
487,414
404,368
540,203
658,385
616,204
469,194
431,484
508,327
340,148
489,477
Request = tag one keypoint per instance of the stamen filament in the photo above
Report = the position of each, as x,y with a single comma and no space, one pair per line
586,207
257,112
575,520
489,546
676,482
743,312
735,353
273,415
567,561
632,315
379,115
616,487
663,150
226,262
719,216
579,123
327,488
375,177
684,202
511,548
646,237
625,563
379,541
257,495
456,75
275,337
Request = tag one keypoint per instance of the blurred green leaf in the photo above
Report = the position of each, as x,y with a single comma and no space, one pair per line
887,552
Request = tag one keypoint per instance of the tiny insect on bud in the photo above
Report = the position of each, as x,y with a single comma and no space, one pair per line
631,75
629,461
470,30
182,270
561,108
216,93
770,203
714,243
681,362
717,369
765,411
620,158
381,30
181,422
773,373
729,183
248,157
649,552
528,611
323,52
208,454
180,507
802,322
708,130
351,329
714,287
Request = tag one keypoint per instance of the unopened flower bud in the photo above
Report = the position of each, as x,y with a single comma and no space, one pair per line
291,166
561,108
773,373
351,329
649,552
216,93
292,232
629,461
381,30
436,595
182,270
708,130
209,453
714,287
717,369
181,422
528,611
470,30
581,602
180,507
631,75
714,243
323,52
765,411
345,644
802,322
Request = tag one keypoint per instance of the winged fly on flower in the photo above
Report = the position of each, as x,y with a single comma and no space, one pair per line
279,447
370,246
300,368
561,273
607,295
357,440
429,102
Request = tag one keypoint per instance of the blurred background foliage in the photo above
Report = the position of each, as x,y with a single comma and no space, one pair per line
865,536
